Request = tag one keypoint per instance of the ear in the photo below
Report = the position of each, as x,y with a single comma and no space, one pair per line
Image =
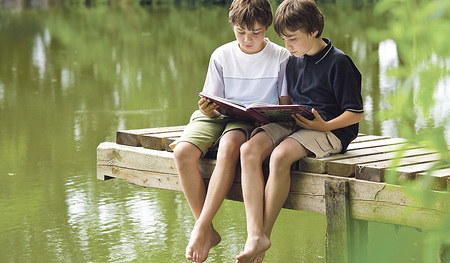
314,34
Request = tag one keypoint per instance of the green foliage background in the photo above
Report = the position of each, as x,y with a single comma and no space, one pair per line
420,29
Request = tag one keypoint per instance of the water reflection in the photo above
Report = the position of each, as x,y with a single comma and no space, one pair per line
70,78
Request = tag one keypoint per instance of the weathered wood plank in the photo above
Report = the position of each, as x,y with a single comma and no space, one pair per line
371,201
133,137
376,171
438,179
390,204
365,138
375,143
360,148
157,141
142,159
409,172
347,167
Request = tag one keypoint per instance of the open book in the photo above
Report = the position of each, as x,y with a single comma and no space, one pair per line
261,112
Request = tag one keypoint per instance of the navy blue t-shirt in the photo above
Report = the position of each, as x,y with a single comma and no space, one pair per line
330,83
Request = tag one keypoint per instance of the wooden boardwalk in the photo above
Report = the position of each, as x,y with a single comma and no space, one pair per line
346,187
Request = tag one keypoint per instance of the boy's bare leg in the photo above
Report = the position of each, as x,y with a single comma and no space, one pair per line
186,156
253,153
204,236
275,195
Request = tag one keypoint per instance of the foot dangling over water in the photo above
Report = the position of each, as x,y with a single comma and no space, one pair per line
202,240
254,250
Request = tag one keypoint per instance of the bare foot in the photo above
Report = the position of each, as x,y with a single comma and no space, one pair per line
254,249
260,257
201,241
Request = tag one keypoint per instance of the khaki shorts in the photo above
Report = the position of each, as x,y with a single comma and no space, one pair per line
205,132
320,143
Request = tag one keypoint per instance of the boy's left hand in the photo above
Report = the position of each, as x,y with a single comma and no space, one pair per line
317,123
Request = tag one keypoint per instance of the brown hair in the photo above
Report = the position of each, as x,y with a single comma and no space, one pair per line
246,13
293,15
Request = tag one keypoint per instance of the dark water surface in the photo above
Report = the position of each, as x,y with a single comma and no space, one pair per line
69,78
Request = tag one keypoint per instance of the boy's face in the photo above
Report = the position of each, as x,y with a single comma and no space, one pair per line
250,41
300,43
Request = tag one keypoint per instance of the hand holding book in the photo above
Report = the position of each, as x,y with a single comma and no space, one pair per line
256,112
208,108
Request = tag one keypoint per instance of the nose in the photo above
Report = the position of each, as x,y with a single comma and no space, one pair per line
248,38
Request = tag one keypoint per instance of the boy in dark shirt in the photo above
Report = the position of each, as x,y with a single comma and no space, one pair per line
319,77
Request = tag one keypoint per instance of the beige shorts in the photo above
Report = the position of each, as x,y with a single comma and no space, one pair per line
205,132
320,143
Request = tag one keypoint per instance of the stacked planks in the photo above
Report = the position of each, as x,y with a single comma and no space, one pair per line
368,157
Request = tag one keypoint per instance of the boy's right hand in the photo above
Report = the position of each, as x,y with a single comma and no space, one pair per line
208,108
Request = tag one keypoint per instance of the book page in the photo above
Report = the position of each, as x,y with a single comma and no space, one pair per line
283,112
212,97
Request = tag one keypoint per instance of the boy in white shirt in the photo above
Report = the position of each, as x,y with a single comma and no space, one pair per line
249,69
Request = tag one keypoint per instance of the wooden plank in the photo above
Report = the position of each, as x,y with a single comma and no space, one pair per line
157,141
407,168
375,143
347,167
409,172
370,201
142,178
365,138
132,137
338,220
385,203
362,148
440,178
375,171
138,158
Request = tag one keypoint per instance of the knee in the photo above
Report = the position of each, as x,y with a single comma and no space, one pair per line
280,160
229,147
246,149
249,152
186,152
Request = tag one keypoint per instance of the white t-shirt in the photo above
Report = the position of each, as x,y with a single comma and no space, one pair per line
247,78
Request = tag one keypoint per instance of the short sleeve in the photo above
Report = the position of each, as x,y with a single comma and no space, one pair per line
214,83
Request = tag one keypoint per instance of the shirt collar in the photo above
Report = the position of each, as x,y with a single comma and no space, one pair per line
322,54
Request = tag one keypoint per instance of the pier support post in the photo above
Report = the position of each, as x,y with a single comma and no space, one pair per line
338,221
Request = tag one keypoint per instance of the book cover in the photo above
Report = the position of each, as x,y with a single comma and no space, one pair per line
261,112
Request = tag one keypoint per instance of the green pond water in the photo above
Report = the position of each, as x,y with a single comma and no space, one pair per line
70,77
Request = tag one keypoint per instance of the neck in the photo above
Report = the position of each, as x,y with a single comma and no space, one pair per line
318,46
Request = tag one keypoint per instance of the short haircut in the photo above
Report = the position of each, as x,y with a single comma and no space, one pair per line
303,15
246,13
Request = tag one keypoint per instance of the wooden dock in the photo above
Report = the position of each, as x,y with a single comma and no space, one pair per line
350,188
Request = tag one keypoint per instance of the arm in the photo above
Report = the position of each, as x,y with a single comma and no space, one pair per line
213,85
345,119
284,100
